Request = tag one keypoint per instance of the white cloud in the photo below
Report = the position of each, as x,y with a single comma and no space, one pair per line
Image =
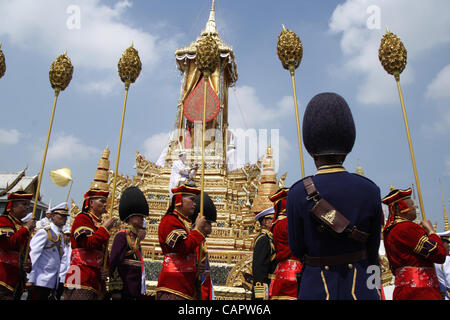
67,147
104,87
447,166
95,33
9,137
154,145
247,111
421,28
439,88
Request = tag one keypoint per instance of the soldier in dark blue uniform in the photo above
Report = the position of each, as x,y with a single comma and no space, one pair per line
339,239
264,262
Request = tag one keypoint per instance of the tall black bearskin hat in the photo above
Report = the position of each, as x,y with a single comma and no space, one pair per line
209,209
132,202
328,127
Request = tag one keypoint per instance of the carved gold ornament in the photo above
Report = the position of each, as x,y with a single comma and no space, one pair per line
289,49
207,54
61,72
392,54
2,62
129,65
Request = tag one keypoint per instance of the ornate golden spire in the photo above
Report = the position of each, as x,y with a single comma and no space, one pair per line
268,184
359,170
211,24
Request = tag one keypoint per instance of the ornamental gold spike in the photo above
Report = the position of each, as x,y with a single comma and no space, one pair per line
2,62
61,72
207,54
289,49
129,65
392,54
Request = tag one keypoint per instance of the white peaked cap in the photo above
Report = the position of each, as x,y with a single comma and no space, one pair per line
27,217
61,206
264,213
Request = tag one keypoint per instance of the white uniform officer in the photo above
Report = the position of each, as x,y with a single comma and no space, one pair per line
65,260
443,270
46,250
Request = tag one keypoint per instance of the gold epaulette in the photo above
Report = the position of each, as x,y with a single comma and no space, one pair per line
6,231
261,291
173,237
83,231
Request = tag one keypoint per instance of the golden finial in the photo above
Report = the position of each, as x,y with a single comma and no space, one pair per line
61,72
207,54
392,54
289,49
2,62
129,65
391,187
359,169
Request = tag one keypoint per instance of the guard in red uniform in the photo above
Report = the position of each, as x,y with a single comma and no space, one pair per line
284,286
85,278
14,236
179,244
411,249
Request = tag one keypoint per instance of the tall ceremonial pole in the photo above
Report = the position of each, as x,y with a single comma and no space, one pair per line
392,54
290,52
207,62
129,67
60,75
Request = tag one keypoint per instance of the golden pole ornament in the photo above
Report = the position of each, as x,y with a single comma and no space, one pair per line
290,53
60,75
393,55
207,62
129,67
2,62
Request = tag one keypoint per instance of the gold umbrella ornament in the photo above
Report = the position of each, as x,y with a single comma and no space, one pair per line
392,55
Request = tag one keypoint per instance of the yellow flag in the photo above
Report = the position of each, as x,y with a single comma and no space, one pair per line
61,177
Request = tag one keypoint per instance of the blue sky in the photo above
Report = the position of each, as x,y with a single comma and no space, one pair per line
340,39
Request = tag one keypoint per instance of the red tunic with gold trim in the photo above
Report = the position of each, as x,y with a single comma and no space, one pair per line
179,245
412,254
284,286
88,239
13,242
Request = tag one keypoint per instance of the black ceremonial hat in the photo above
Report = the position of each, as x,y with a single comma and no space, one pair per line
209,209
132,202
328,127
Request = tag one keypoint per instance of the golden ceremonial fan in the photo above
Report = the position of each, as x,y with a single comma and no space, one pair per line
61,177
